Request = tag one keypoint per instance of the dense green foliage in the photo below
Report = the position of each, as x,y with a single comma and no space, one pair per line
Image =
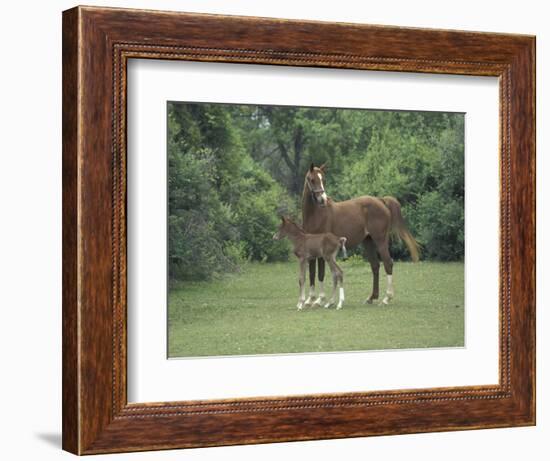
223,207
233,169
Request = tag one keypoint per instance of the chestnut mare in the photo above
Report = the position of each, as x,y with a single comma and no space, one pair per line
368,220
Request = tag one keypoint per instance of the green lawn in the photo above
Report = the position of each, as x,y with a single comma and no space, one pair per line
254,312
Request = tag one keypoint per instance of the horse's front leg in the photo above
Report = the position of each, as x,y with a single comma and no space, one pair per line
321,298
311,296
301,282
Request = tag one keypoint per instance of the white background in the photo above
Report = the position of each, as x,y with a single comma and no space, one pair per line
30,242
153,378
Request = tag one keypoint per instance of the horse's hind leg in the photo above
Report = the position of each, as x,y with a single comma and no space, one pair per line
321,297
383,248
311,295
340,276
334,271
372,256
301,282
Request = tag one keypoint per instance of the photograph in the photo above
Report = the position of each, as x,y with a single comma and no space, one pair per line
275,230
313,229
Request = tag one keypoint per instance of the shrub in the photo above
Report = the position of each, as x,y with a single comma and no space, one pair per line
261,202
440,227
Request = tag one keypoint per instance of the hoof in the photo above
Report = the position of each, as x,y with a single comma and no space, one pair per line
318,302
340,305
385,301
368,301
300,306
329,304
309,301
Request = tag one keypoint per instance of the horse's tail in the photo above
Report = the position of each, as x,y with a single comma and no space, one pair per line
343,247
399,227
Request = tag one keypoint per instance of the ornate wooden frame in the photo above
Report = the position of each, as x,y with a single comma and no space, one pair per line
97,43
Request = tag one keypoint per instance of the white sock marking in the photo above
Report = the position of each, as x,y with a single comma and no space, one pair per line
389,288
310,296
321,296
341,299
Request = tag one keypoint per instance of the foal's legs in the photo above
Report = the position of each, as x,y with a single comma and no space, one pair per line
311,295
372,255
341,280
337,278
321,297
301,282
383,248
332,299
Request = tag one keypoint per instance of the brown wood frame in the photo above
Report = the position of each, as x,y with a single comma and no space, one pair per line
97,43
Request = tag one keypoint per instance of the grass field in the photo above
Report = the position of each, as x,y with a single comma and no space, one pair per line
254,312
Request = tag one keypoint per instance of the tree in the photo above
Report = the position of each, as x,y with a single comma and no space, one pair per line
223,207
233,169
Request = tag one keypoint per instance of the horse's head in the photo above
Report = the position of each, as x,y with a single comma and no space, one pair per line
315,180
286,228
283,229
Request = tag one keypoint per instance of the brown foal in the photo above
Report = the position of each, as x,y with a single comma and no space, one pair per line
309,247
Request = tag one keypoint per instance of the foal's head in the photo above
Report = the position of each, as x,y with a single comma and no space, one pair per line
286,228
315,184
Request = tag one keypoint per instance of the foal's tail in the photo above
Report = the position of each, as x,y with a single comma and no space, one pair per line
343,247
399,227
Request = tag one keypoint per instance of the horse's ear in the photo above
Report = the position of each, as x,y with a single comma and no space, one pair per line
312,167
323,167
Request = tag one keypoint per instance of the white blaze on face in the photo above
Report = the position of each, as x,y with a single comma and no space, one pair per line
324,194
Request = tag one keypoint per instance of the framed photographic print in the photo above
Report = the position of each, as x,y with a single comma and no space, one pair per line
284,230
